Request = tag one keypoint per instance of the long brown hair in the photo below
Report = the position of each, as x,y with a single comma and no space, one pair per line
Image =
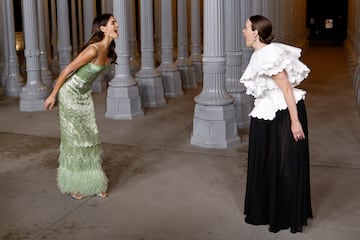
98,35
264,27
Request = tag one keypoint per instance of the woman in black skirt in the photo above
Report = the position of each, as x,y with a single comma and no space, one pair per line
278,181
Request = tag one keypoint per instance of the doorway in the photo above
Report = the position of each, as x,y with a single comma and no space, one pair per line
327,21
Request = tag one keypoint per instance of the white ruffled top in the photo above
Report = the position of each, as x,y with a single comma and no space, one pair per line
264,63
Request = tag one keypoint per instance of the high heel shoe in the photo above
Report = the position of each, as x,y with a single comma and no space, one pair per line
77,196
102,195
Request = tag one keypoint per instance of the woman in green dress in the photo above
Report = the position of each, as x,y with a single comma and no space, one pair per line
80,173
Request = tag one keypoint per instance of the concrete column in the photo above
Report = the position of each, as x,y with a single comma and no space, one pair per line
195,56
107,6
14,81
46,74
169,72
32,95
183,61
214,124
64,47
233,25
54,39
149,80
269,9
123,100
174,27
74,32
88,14
246,52
89,11
244,103
255,7
134,51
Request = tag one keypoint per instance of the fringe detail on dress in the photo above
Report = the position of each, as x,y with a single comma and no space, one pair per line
80,170
87,183
80,158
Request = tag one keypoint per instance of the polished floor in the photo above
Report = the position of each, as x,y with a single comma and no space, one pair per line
164,188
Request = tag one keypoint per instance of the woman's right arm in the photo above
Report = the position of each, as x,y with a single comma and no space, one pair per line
282,81
86,56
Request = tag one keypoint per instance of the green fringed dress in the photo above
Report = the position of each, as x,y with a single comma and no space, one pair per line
80,169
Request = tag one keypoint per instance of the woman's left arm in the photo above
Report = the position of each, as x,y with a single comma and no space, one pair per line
283,82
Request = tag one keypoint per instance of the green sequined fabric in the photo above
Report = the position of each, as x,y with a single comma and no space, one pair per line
80,169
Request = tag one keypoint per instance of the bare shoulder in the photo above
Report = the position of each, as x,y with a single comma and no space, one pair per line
84,57
90,51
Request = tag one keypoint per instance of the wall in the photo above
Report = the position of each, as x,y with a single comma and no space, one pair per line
290,22
352,41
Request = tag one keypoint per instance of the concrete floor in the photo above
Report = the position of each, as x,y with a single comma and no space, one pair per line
163,188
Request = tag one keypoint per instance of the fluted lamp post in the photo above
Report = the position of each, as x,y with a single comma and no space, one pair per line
234,42
33,94
123,100
149,79
170,74
183,61
14,81
214,124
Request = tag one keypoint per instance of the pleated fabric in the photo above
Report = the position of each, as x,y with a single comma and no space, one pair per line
278,180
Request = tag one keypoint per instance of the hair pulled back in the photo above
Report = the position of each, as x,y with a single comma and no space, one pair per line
98,35
264,27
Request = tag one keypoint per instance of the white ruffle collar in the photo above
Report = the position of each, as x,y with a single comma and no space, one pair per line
270,60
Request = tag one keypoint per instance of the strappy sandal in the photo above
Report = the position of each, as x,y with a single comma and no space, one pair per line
102,195
77,196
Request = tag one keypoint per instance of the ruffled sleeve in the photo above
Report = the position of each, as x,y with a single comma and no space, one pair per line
270,60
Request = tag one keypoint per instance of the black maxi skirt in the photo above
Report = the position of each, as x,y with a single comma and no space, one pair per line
278,179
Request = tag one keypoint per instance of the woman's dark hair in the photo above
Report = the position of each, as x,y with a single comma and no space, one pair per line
264,27
98,35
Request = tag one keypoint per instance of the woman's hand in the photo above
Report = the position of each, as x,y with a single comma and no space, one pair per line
297,131
49,103
282,81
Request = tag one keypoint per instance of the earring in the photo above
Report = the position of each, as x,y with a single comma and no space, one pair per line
255,38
